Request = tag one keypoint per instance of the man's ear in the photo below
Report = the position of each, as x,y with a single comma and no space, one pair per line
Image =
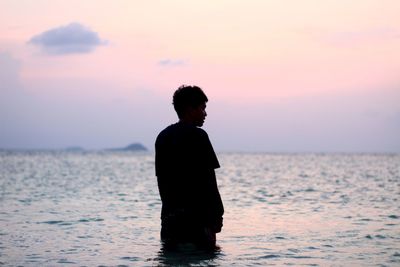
189,110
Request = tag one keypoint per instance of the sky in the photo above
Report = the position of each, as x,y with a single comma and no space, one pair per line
281,76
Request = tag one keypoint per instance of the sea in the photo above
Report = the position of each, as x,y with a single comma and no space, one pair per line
62,208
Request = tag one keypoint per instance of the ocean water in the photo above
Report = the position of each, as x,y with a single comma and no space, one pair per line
102,209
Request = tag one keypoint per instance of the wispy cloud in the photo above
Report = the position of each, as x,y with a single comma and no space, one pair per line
171,62
69,39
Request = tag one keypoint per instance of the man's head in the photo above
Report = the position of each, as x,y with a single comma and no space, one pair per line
190,104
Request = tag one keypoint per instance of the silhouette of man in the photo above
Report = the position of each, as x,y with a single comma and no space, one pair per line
185,160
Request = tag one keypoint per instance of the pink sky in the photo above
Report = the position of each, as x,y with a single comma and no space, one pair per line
296,75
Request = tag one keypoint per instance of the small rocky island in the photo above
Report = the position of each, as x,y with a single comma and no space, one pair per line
132,147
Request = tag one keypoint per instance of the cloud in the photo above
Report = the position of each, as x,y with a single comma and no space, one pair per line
70,39
171,63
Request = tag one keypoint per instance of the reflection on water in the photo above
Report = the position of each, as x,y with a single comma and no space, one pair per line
187,255
102,209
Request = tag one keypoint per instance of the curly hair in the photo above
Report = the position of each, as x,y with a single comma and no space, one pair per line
188,96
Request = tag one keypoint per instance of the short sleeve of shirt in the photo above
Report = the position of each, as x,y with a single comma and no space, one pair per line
209,154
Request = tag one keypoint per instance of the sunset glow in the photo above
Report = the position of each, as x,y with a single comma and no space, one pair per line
294,71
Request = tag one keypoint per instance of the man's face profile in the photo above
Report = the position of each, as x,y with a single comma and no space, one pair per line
197,114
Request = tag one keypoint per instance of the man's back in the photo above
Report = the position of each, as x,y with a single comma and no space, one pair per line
185,163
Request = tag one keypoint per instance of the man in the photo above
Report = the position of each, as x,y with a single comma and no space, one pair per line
185,161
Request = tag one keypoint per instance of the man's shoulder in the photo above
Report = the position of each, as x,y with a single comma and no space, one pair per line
165,133
196,132
166,130
172,129
201,132
171,132
180,133
182,128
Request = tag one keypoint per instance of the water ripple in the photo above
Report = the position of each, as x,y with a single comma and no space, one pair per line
92,209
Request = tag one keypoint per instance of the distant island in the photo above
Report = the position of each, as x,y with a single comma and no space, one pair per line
131,147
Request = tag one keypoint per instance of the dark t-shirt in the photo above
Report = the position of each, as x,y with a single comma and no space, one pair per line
185,163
